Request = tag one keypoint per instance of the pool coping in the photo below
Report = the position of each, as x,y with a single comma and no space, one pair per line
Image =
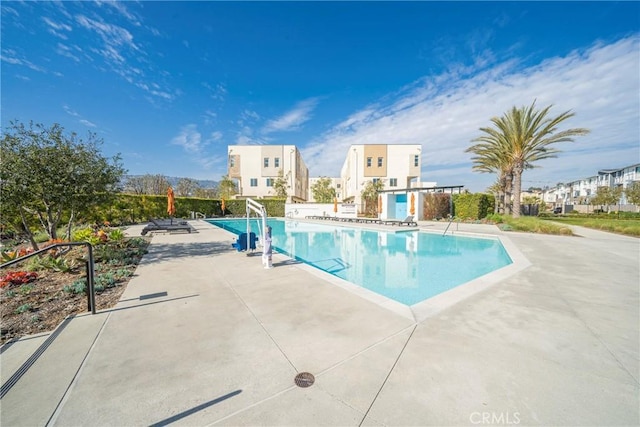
431,306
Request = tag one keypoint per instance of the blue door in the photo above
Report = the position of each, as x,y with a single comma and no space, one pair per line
401,206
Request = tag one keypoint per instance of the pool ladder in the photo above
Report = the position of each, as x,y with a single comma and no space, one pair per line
448,225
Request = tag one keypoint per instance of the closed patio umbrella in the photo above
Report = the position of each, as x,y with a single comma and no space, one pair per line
379,205
412,208
171,203
223,207
335,205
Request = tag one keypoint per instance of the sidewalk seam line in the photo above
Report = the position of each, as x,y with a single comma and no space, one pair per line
56,412
387,377
257,320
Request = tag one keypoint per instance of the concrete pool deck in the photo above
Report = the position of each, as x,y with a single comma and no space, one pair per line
203,335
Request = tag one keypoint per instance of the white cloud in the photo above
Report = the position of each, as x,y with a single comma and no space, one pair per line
57,28
216,136
245,136
292,119
120,52
87,123
69,111
189,139
443,114
111,34
11,57
65,50
121,9
218,92
249,115
78,116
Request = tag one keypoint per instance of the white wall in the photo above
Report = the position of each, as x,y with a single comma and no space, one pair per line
302,210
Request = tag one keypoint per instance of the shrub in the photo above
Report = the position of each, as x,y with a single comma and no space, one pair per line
17,278
86,235
472,206
23,308
116,235
436,205
495,218
12,255
26,289
60,264
77,287
106,280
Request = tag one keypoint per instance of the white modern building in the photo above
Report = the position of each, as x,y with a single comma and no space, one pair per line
397,166
580,192
255,169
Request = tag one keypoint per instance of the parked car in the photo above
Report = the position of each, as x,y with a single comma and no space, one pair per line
557,210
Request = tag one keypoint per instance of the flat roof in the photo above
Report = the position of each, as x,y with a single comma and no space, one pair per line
435,189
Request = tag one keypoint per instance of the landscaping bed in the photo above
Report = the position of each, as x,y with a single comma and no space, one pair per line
37,294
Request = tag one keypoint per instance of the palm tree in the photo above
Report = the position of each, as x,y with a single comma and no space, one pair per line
490,158
519,138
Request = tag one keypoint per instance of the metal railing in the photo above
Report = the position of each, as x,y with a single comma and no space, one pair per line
91,296
448,225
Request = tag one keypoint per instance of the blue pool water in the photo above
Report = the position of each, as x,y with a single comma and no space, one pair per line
407,266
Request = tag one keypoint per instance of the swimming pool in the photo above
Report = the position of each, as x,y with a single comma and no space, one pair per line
406,266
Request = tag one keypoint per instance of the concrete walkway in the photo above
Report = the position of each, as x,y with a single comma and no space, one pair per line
203,335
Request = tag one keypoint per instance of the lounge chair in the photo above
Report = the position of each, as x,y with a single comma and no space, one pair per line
164,225
407,221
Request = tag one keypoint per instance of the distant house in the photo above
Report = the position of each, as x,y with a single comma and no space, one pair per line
581,191
255,169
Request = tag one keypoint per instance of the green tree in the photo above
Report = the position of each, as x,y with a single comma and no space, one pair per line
186,187
226,188
205,193
135,185
322,190
47,173
281,184
491,157
518,139
607,196
369,196
155,184
633,193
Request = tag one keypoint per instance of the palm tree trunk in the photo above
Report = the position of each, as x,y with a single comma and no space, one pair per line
508,188
517,187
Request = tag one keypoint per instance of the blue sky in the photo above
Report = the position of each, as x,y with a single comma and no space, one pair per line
170,85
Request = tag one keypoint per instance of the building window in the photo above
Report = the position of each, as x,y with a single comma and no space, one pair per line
368,162
254,182
375,180
393,182
269,182
338,185
416,160
232,162
266,162
276,162
379,162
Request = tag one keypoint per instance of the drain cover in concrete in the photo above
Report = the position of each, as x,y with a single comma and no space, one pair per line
304,379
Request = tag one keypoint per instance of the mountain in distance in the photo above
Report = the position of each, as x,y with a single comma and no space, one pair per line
202,183
173,181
